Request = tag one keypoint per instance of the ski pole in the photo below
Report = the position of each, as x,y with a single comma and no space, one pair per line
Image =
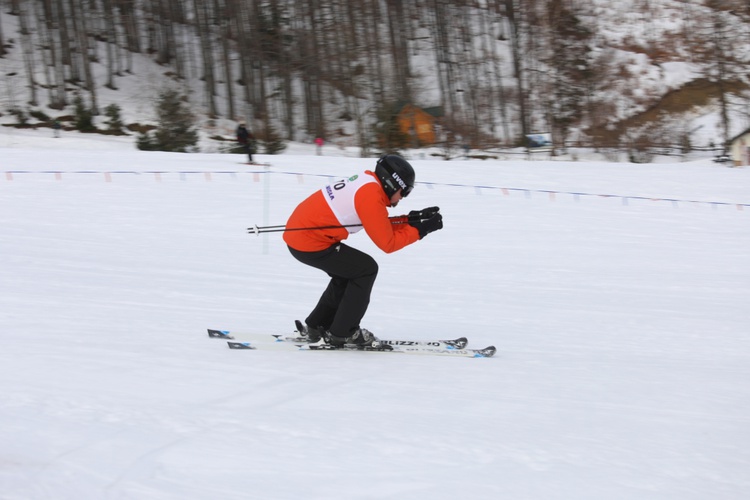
282,228
414,216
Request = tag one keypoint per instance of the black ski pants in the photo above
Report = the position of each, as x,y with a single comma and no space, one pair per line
344,302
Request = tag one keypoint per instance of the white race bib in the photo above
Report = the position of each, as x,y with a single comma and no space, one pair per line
340,197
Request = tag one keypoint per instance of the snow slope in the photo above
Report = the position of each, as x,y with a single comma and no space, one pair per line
621,323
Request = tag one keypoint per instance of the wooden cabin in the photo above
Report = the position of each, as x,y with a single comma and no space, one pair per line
418,124
739,149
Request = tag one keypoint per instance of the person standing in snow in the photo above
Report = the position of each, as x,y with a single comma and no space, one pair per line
361,200
246,139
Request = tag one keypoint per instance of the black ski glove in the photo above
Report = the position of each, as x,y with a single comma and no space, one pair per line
425,227
420,215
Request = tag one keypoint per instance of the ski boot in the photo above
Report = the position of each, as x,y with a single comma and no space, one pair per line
359,337
313,334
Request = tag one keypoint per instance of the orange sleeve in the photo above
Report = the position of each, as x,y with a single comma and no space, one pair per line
371,204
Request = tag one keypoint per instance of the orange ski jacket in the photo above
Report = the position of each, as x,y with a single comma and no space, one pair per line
370,208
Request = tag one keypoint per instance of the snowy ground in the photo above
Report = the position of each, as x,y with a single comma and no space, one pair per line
623,365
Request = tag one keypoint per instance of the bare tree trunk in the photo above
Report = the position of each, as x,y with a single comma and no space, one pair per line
497,72
79,27
399,49
285,64
373,41
28,52
244,36
445,64
164,34
225,9
721,54
204,34
45,43
311,59
259,73
511,10
52,16
111,37
68,47
148,19
177,15
129,24
469,75
354,22
2,39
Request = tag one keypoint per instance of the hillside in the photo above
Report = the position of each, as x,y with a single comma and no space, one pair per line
495,72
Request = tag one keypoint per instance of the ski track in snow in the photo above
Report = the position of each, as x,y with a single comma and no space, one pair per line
623,355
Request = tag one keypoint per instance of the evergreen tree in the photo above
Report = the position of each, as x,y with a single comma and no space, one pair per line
115,123
272,141
175,131
145,142
84,116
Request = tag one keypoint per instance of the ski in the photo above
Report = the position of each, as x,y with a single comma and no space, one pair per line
459,343
487,352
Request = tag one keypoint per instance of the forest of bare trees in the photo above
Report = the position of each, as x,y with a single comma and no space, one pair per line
498,69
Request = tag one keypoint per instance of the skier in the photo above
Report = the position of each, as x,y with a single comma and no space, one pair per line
246,140
361,200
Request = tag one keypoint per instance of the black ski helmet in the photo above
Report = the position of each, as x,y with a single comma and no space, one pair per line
395,173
